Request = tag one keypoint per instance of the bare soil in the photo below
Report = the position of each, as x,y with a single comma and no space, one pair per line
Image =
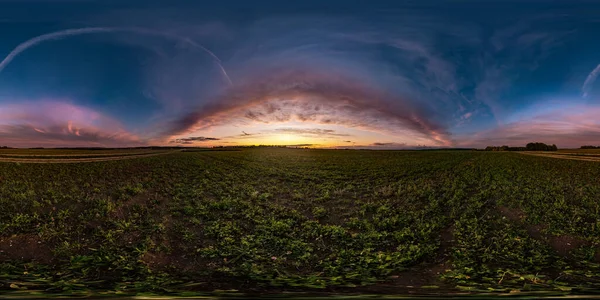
25,247
563,245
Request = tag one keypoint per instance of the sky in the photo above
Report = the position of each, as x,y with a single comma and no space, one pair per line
351,74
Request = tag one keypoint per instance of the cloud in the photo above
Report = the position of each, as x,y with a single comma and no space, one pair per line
522,48
193,139
302,69
390,144
589,82
318,97
53,123
380,146
311,132
90,30
284,68
566,127
415,74
302,132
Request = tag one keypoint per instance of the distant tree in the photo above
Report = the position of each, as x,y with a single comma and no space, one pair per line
517,149
529,147
540,147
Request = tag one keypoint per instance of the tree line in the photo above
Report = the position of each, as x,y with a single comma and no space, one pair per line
589,147
528,147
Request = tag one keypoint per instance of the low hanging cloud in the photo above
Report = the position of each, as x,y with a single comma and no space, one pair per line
193,139
53,124
311,132
302,132
380,146
569,127
389,144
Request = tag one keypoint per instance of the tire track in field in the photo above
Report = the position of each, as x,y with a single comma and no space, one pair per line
82,155
564,156
80,160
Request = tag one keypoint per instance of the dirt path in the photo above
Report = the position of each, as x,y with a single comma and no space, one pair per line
80,160
564,156
38,155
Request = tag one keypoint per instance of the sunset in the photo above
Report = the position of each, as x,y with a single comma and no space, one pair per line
365,75
308,149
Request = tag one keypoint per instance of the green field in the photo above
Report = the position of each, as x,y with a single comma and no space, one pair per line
273,220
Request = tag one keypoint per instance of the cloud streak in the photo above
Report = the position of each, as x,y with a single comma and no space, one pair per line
310,132
589,82
90,30
193,139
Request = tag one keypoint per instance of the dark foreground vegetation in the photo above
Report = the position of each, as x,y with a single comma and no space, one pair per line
269,220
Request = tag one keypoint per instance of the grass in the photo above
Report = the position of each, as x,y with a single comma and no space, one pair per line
317,221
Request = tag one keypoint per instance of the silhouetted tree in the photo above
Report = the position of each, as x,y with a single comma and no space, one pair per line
540,147
529,147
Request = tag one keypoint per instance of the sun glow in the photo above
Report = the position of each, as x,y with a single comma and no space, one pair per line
286,138
294,133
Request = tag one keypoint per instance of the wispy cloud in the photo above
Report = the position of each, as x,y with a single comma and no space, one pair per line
310,132
589,82
566,127
53,123
522,47
298,132
389,144
193,139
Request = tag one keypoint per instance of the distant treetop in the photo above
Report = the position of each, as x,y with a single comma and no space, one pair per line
529,147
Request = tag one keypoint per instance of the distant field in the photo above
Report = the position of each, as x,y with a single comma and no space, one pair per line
70,151
70,156
591,151
573,154
269,220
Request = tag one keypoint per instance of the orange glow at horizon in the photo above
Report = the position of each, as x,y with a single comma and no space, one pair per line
297,133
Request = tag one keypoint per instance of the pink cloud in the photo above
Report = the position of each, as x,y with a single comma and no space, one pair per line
567,128
319,97
60,124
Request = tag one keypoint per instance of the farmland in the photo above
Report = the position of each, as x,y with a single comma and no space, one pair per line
575,154
316,221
